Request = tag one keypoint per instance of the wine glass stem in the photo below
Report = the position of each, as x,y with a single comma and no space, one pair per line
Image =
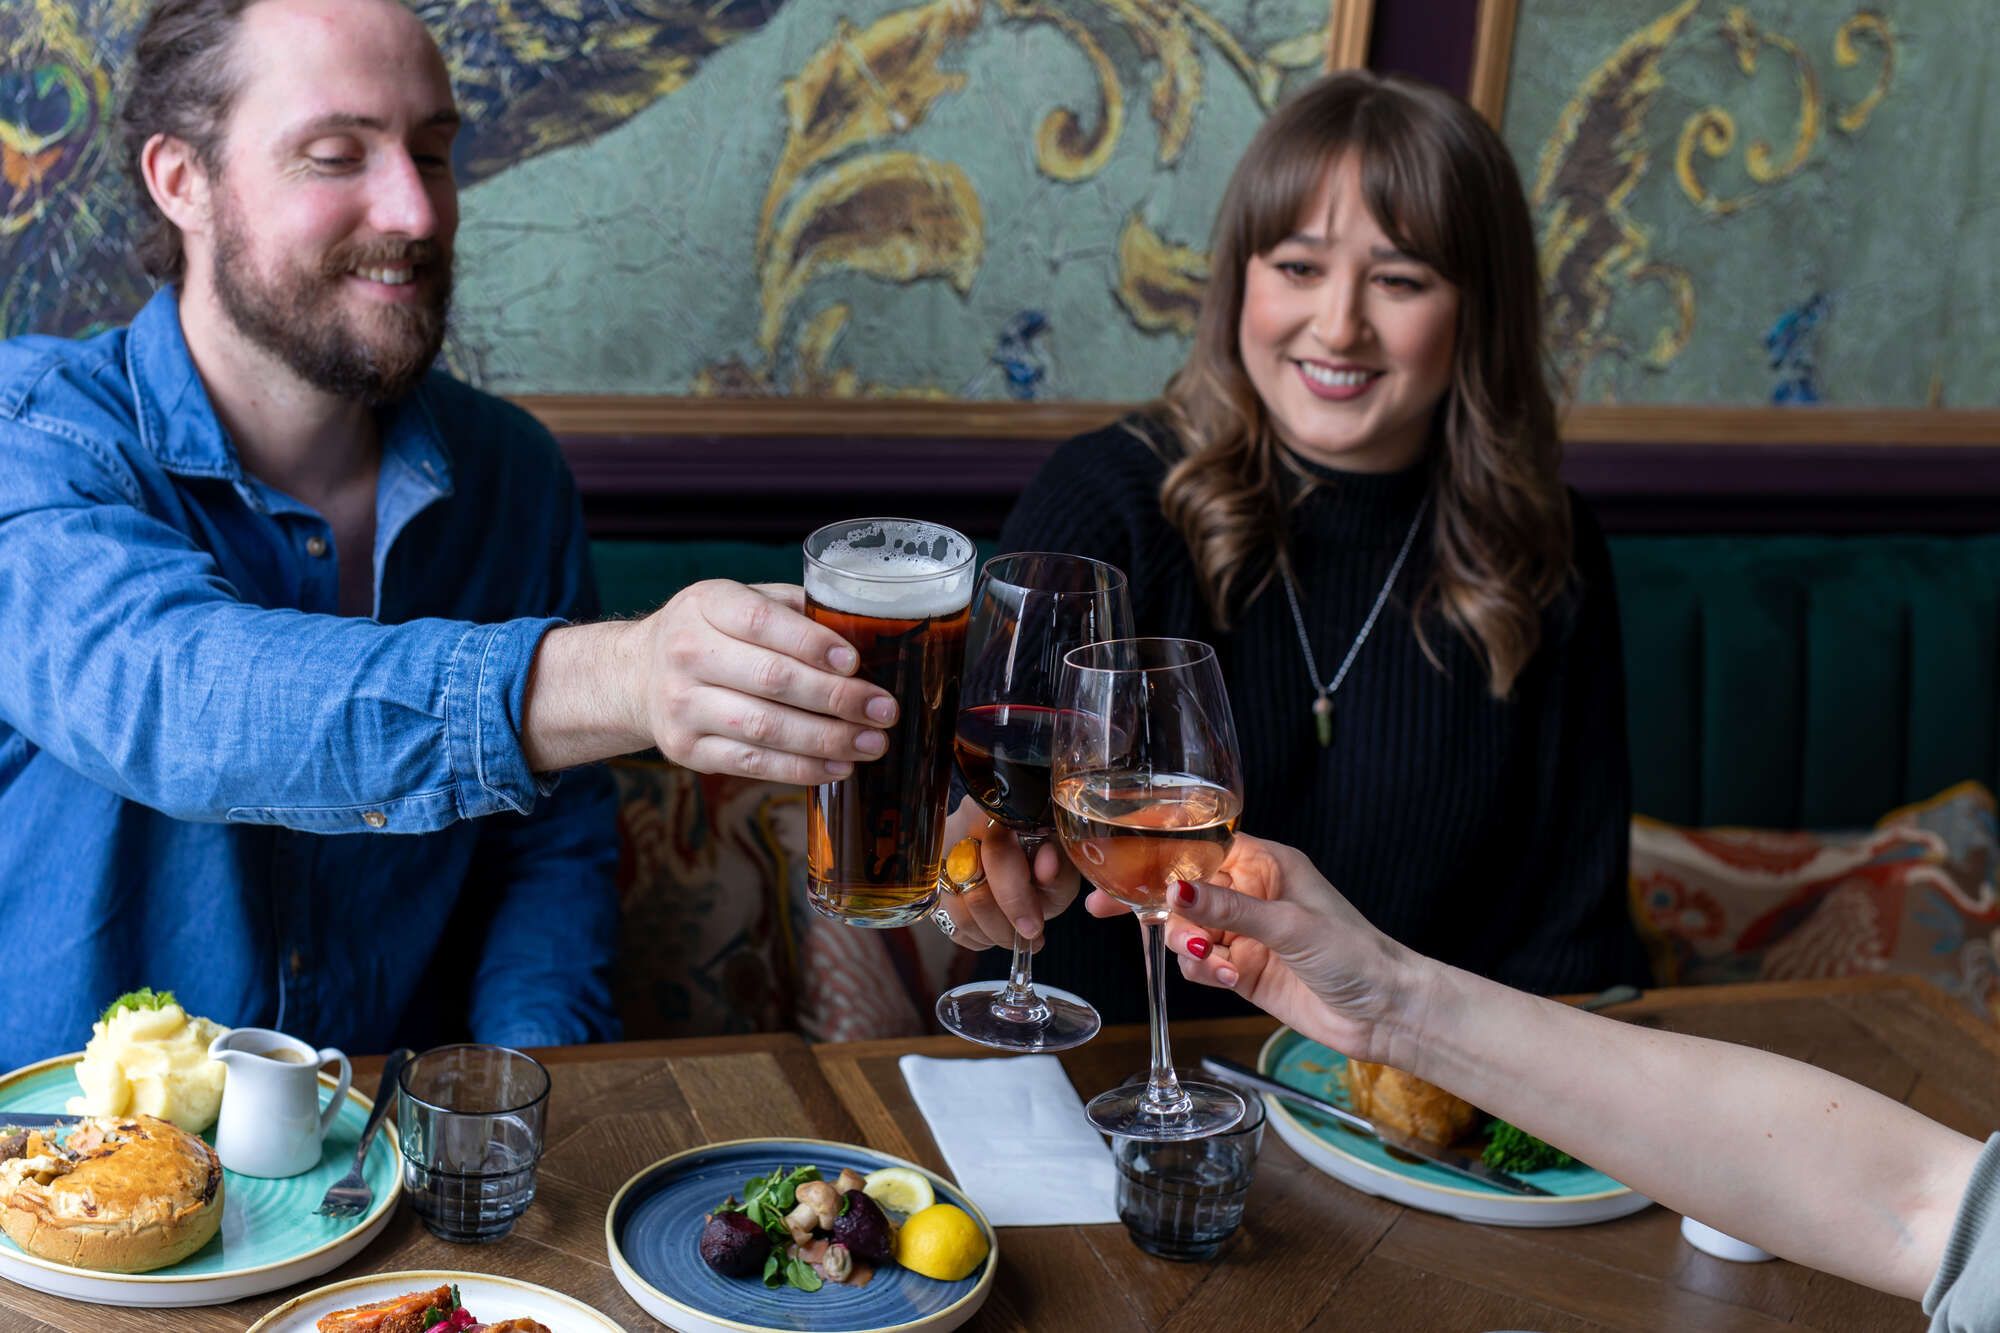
1019,1001
1163,1091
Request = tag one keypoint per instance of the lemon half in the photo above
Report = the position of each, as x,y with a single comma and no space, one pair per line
899,1189
941,1242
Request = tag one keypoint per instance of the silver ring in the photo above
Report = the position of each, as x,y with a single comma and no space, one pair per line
942,920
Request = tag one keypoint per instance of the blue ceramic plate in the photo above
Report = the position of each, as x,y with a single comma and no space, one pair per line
270,1237
1579,1194
653,1229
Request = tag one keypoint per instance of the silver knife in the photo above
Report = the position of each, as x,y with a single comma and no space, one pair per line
12,1120
1451,1159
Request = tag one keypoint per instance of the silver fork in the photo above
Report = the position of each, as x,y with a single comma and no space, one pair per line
351,1195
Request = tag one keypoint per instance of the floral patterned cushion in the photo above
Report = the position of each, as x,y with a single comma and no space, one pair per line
1915,894
717,935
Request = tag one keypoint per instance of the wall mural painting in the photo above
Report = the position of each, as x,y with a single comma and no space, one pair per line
64,266
999,199
1774,201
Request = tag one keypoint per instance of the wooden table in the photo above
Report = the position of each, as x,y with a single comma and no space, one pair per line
1313,1254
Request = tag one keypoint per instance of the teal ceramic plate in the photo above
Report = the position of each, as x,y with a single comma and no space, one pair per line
270,1237
1578,1194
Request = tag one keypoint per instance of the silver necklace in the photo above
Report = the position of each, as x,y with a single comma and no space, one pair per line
1322,706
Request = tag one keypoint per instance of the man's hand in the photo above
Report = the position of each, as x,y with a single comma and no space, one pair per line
723,679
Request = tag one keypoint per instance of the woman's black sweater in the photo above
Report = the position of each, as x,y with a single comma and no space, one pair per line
1489,833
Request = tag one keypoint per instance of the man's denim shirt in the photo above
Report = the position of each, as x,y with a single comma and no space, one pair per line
210,781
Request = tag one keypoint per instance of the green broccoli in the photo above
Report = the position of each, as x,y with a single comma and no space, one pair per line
1511,1149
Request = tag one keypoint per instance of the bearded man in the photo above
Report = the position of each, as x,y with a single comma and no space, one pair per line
289,617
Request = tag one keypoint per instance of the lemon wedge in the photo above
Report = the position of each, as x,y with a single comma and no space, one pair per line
899,1189
941,1242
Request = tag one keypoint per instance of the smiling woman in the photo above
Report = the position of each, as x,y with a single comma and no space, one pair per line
1350,490
1347,338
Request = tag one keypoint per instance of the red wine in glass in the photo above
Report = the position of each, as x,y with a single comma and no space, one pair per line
1003,758
1029,609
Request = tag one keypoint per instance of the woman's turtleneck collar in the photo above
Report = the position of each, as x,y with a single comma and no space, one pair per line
1368,508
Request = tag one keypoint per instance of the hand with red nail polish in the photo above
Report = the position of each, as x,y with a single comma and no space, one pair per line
1269,927
1783,1146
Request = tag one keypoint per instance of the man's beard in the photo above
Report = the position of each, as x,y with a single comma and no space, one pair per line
298,318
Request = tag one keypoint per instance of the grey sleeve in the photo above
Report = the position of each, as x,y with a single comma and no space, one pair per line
1965,1295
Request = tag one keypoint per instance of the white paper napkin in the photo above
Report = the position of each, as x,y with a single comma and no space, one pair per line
1013,1132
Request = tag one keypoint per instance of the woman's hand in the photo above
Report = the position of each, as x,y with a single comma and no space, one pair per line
1270,928
1010,900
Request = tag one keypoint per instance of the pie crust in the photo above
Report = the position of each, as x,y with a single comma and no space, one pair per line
121,1194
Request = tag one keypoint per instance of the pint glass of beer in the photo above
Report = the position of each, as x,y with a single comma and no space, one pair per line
897,590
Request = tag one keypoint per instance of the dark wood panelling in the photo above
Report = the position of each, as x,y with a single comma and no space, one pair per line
777,487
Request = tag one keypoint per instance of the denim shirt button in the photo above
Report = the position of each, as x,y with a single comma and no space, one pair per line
297,962
316,546
375,819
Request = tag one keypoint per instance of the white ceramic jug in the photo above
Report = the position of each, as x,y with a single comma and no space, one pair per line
271,1122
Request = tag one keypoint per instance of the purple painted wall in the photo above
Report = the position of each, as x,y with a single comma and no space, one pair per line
764,488
1431,39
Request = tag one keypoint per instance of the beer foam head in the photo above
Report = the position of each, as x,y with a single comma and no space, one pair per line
889,567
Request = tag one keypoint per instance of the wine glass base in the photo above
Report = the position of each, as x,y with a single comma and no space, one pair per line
970,1011
1124,1111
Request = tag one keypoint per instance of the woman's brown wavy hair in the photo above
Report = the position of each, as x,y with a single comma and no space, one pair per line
1440,184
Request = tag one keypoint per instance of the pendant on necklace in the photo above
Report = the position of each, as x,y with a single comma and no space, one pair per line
1323,720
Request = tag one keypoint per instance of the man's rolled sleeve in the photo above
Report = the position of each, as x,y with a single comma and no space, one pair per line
486,693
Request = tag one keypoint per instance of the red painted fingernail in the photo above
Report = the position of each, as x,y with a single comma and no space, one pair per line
1183,893
1197,946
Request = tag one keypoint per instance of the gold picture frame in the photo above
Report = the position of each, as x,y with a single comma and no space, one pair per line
1801,426
638,418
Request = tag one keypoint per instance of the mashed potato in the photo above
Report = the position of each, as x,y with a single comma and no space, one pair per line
146,1061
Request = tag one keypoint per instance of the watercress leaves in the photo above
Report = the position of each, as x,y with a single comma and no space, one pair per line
766,1200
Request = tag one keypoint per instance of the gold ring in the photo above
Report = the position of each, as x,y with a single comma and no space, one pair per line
964,869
